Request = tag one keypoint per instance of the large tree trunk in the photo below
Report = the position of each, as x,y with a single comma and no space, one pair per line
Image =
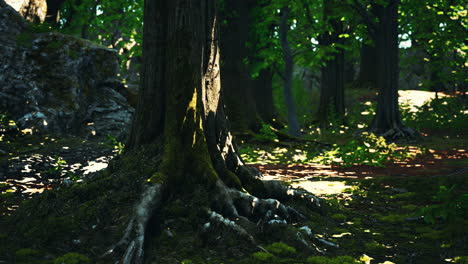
387,121
287,74
368,62
238,86
331,106
181,107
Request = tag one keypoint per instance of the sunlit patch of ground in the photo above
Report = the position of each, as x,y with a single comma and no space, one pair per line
417,98
321,187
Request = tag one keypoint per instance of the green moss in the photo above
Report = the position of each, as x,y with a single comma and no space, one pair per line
403,196
26,254
410,207
54,45
72,258
461,260
281,249
337,260
357,221
25,39
393,218
339,217
263,257
375,247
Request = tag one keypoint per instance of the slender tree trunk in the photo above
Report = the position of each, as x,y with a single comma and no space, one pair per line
287,75
332,84
387,121
264,97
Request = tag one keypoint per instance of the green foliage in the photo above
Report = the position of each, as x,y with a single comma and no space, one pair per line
72,258
448,113
369,150
249,154
450,206
115,144
266,134
57,166
115,24
438,27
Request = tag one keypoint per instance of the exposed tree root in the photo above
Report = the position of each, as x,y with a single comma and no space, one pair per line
403,132
231,210
131,243
398,133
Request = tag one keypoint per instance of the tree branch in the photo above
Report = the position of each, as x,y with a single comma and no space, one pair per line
367,19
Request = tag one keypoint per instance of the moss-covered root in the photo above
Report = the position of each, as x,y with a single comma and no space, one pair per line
131,244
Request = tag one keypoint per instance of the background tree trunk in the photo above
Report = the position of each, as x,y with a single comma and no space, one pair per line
387,121
249,102
332,84
237,84
287,74
264,97
53,11
368,63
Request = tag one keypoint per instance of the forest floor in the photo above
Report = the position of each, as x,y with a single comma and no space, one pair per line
409,210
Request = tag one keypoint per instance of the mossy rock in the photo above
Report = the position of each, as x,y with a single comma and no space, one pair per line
72,258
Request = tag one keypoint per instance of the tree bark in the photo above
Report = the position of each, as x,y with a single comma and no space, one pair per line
264,97
287,74
331,107
368,69
387,121
249,102
238,86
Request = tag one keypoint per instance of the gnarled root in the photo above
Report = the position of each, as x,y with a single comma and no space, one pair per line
131,243
244,214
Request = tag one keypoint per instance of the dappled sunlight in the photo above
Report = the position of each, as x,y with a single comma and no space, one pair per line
417,98
321,187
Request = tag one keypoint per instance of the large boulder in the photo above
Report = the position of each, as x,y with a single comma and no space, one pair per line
59,83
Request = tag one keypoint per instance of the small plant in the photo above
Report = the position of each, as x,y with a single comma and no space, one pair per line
266,134
57,168
450,206
248,154
115,144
